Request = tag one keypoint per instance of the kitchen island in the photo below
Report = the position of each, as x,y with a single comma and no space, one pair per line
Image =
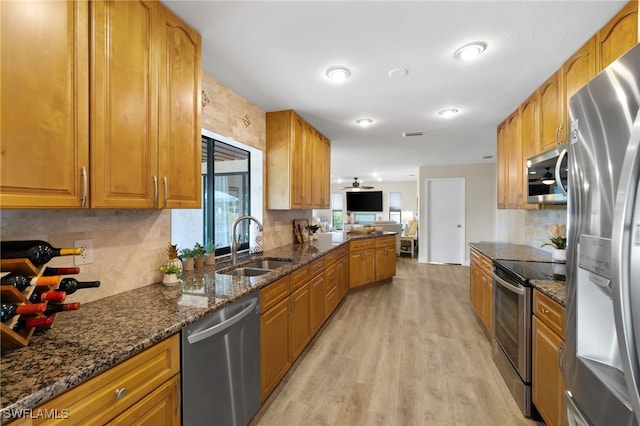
107,332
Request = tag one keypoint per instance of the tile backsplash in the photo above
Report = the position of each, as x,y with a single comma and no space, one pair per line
536,226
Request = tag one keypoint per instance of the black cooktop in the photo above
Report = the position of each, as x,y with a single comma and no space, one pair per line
525,271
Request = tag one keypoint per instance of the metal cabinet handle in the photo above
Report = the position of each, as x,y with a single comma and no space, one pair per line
155,190
85,187
561,348
179,397
121,392
544,311
557,135
166,191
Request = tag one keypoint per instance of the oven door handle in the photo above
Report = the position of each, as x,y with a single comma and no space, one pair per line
511,288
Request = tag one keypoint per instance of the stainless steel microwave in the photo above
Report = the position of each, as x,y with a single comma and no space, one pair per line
547,177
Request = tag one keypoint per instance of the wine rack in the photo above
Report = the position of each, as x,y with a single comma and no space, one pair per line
10,338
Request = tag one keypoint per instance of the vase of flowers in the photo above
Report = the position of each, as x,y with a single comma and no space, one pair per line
558,241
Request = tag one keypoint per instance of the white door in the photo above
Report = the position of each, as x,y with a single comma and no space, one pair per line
445,220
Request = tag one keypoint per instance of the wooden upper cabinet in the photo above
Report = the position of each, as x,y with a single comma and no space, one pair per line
617,36
576,72
145,109
529,138
550,112
126,73
180,147
501,163
514,161
124,104
295,175
44,92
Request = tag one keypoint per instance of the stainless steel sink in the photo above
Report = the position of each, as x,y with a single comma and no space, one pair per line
246,272
268,263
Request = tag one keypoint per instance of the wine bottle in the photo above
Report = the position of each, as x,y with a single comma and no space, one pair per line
9,310
37,251
21,281
68,270
60,307
41,294
33,322
71,285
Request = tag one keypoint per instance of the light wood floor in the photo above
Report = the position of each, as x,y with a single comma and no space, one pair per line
407,353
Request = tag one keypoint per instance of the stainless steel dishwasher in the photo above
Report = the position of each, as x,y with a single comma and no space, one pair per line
221,366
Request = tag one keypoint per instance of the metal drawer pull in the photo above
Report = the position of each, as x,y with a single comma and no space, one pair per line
544,311
121,392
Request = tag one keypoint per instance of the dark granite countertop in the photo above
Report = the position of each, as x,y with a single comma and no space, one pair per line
508,251
106,332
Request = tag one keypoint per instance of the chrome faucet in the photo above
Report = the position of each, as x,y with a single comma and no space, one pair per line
234,239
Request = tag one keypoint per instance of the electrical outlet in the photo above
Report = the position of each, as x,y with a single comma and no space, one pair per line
87,252
278,226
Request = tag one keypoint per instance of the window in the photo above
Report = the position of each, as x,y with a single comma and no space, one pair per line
226,193
336,211
233,189
395,206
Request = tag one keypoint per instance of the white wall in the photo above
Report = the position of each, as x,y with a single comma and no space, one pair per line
480,201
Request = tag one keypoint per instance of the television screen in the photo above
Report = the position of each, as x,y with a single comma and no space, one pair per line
364,201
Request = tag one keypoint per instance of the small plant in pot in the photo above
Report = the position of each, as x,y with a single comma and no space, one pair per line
558,241
171,273
198,255
186,255
210,253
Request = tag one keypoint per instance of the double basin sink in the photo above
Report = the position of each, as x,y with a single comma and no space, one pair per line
256,267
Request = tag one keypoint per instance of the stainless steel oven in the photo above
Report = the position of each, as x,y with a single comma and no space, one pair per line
512,334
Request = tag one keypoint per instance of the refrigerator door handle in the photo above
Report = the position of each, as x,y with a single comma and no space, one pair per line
557,173
624,295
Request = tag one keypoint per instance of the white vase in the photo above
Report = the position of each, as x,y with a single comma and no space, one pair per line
559,255
169,279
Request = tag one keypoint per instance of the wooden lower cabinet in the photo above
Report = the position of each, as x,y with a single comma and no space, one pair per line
275,358
316,310
300,326
151,380
548,344
481,288
361,263
385,258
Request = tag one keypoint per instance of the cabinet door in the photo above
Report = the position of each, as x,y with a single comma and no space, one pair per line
161,407
299,324
617,36
369,267
275,357
529,142
547,382
44,110
474,285
317,169
514,161
124,104
486,313
326,174
316,308
307,161
385,263
342,272
180,158
356,269
296,163
501,163
549,101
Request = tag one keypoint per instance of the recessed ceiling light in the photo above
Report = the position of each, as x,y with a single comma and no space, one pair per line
449,112
470,51
409,134
398,73
338,73
364,122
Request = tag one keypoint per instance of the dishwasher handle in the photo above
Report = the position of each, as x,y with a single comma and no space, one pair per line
219,328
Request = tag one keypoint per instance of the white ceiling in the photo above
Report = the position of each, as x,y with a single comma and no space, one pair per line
275,54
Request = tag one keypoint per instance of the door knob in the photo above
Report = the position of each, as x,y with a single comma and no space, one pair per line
459,226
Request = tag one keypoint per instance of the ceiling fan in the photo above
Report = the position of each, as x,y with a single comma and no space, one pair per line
356,186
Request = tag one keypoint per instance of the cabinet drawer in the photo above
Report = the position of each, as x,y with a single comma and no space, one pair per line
299,277
330,302
549,311
332,278
342,251
330,258
487,265
96,401
474,255
385,242
273,293
316,267
361,244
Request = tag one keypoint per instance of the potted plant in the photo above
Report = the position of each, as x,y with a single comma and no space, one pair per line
558,241
186,255
348,217
172,256
198,255
171,273
210,253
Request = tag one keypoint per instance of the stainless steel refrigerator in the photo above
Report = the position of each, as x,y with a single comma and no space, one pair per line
600,361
